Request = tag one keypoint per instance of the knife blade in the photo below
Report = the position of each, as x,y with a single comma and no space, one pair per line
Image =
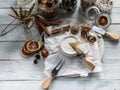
110,35
81,52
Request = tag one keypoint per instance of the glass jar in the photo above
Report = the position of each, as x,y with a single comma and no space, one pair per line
30,33
48,8
68,5
92,12
86,4
89,9
104,5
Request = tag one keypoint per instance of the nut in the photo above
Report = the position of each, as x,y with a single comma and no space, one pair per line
103,20
74,29
86,27
91,39
44,53
84,34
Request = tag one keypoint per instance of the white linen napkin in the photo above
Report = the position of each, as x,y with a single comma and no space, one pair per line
73,66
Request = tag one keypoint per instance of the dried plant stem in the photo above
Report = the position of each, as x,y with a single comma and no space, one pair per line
31,9
13,16
42,26
20,12
24,16
15,12
27,18
25,13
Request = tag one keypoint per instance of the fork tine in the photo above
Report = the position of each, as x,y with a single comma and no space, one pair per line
57,68
60,65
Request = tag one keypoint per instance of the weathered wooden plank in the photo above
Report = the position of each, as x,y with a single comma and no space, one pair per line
11,50
105,75
84,84
111,65
115,15
18,33
63,83
116,3
20,85
21,70
14,35
111,53
18,69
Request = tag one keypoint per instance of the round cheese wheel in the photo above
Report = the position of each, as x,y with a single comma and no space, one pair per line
65,47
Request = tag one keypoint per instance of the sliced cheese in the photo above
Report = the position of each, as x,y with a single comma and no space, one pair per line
67,50
84,48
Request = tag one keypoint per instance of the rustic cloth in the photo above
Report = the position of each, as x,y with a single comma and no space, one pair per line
73,67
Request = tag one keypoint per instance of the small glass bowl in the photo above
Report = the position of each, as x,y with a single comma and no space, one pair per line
103,20
92,12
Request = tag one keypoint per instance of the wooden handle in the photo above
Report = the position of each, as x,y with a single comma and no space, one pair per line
46,83
90,64
112,36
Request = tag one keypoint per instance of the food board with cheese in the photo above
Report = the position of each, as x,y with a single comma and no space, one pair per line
60,48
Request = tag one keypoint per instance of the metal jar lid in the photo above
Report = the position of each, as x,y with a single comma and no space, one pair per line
92,12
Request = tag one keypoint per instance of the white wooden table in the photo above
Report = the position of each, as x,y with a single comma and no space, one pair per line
18,73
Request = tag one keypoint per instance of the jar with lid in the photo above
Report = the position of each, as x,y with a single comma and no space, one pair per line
89,9
68,5
105,6
85,4
48,8
30,33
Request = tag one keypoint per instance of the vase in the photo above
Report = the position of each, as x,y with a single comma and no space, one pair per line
31,33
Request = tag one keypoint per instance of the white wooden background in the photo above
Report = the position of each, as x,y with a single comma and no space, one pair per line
18,73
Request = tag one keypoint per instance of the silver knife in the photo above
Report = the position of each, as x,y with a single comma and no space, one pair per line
110,35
